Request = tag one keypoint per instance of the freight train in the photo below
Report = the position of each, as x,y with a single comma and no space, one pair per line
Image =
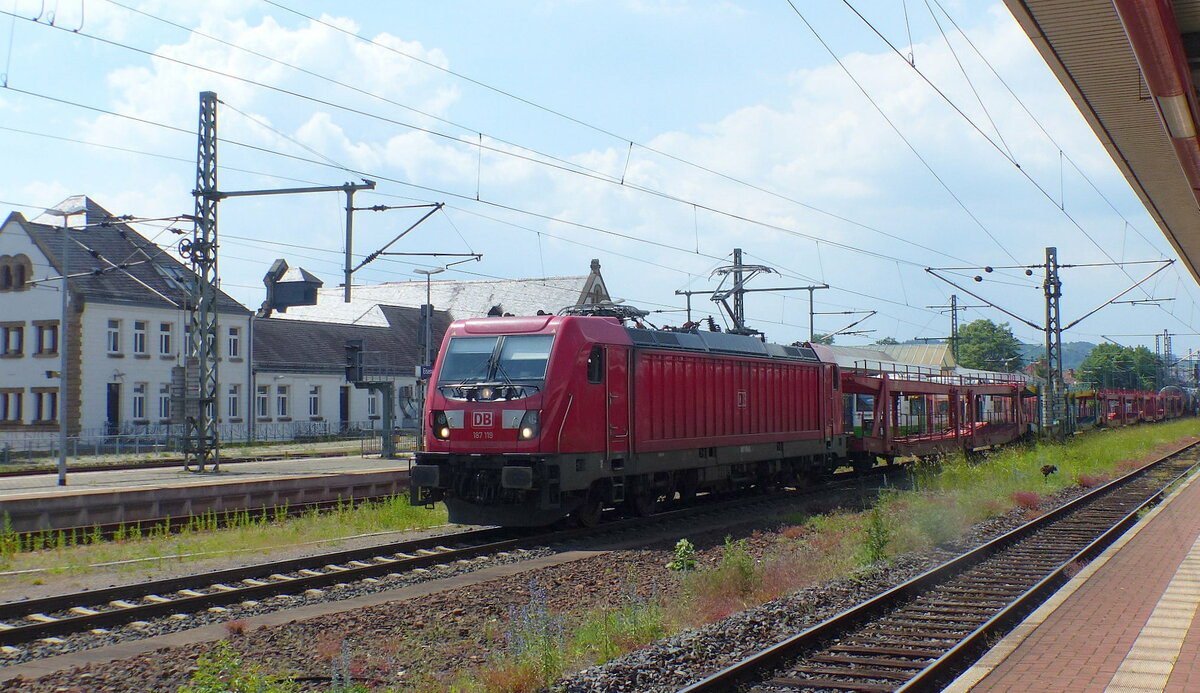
529,420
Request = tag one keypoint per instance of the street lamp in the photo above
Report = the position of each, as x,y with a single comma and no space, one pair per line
70,206
427,327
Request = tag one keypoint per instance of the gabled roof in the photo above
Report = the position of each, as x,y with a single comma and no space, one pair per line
308,346
862,357
462,299
935,355
151,276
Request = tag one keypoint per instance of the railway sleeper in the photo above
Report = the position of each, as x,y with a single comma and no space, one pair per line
872,661
826,684
922,626
916,615
857,673
963,610
894,651
944,642
997,580
1024,568
1000,595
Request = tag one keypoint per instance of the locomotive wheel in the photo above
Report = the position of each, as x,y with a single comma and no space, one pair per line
644,502
589,512
688,485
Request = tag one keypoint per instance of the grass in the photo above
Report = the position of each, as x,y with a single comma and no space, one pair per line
67,555
537,646
949,497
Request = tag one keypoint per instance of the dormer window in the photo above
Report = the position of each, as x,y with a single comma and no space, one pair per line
177,277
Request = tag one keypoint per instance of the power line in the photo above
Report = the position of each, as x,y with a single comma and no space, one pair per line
896,129
551,161
447,193
951,103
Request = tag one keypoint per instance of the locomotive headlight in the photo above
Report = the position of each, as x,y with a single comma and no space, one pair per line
486,394
441,425
529,425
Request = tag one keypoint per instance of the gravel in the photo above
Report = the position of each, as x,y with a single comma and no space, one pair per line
423,641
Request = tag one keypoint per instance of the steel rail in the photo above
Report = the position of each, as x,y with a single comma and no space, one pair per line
221,518
794,647
491,539
27,620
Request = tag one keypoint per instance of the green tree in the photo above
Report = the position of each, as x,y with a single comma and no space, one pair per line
819,338
1114,366
987,346
887,341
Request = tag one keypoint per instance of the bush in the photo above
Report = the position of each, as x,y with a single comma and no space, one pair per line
877,537
609,634
223,671
1026,499
685,556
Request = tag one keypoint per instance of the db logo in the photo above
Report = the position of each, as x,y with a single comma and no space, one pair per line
481,419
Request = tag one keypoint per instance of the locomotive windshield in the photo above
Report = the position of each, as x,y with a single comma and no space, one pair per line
495,359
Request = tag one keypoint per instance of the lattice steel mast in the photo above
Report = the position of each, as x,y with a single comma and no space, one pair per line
201,444
1052,403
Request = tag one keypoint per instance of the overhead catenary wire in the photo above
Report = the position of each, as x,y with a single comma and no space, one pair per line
443,192
816,241
896,129
1040,188
551,161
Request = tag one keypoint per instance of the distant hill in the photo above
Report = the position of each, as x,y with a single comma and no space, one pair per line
1073,353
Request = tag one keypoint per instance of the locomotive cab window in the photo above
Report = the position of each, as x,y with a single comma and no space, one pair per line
523,357
468,359
595,364
496,359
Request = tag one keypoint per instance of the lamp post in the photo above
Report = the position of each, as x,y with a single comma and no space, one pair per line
73,205
427,328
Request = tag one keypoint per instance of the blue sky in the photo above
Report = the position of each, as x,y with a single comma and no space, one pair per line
746,132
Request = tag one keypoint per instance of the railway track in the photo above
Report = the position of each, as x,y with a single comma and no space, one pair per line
29,620
34,620
213,519
920,634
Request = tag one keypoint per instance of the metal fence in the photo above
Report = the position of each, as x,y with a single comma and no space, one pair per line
135,439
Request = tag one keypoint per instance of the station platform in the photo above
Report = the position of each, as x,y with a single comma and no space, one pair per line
109,480
37,502
1125,623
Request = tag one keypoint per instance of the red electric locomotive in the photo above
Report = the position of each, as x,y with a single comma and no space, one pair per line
531,419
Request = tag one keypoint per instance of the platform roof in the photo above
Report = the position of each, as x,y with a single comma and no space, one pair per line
1088,47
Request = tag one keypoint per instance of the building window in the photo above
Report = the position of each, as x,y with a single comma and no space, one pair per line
12,335
139,336
372,404
164,401
233,404
233,345
314,400
14,272
10,405
45,405
164,338
139,400
113,340
261,396
47,338
281,400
